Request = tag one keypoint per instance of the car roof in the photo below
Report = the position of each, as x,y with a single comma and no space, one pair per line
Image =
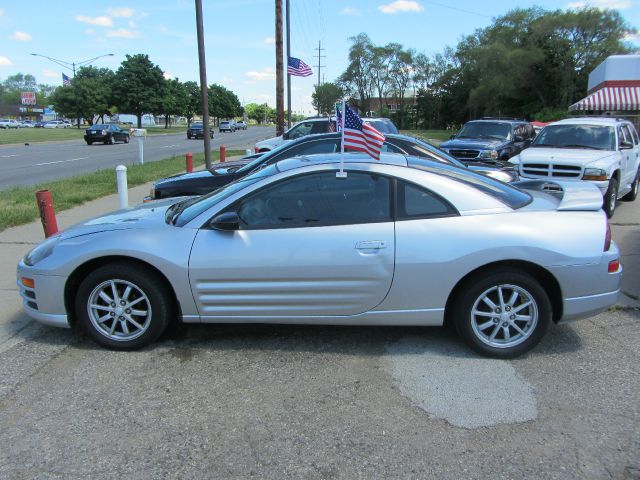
590,121
498,120
349,157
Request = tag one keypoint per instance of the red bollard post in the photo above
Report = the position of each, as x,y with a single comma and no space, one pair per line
189,160
223,153
47,213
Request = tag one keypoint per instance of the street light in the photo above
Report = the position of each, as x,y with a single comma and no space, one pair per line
72,66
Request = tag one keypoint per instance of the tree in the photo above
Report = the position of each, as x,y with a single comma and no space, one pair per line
223,103
175,96
400,74
325,96
380,70
357,77
138,86
192,105
261,113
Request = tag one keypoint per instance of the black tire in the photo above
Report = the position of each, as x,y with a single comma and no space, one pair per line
89,142
130,328
489,337
188,137
631,196
126,139
610,198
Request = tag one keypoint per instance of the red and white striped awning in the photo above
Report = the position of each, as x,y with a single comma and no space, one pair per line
610,99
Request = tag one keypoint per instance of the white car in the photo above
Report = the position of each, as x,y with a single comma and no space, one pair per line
602,150
6,123
57,124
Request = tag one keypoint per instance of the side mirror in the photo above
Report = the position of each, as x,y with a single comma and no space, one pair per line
286,135
624,145
227,222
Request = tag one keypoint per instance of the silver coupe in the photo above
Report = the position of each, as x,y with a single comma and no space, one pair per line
402,241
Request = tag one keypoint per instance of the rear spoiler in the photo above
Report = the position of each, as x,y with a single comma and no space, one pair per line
573,195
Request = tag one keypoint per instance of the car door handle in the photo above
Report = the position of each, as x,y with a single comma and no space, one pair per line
371,245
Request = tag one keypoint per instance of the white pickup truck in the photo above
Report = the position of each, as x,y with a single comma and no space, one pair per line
602,150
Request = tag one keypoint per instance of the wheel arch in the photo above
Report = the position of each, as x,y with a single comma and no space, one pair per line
546,279
76,277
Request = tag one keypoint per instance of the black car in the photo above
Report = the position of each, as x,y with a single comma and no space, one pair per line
198,183
196,130
490,139
107,134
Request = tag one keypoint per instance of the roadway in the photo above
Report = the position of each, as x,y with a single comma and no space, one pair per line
31,164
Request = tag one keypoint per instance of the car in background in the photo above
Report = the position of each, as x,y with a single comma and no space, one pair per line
316,125
205,181
242,125
9,123
107,134
39,124
490,139
26,124
196,130
227,126
57,124
604,151
399,241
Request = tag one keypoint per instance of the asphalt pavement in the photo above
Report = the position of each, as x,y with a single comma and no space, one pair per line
275,402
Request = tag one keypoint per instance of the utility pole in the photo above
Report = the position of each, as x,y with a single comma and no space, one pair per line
203,86
288,76
320,57
279,72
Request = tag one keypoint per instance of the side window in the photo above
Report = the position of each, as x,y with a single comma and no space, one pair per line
317,200
319,127
634,134
299,131
307,148
416,202
627,133
386,147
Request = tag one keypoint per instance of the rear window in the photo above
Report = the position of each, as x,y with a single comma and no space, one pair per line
507,194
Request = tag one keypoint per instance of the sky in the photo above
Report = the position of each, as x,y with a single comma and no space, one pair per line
239,35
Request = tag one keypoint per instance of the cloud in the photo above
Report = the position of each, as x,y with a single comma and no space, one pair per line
21,36
122,12
168,75
265,75
270,40
89,31
354,12
601,4
123,33
51,73
5,62
1,12
98,21
632,37
401,6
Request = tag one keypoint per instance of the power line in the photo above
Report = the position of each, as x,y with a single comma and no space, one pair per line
457,9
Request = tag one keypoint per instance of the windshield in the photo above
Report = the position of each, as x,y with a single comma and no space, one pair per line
196,125
425,149
594,137
382,126
499,131
100,126
183,212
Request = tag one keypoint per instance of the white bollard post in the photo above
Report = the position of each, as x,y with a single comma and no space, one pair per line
247,151
141,150
123,192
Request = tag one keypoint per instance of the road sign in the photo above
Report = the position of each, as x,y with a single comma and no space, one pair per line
28,98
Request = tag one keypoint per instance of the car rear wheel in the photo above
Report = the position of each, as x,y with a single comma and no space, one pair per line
631,196
611,197
502,314
126,139
123,308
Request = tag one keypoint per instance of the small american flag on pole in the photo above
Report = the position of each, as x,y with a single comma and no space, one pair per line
298,68
359,136
66,81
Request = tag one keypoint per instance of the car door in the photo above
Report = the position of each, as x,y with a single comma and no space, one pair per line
627,154
311,245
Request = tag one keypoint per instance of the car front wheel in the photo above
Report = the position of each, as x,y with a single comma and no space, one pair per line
122,307
502,314
611,197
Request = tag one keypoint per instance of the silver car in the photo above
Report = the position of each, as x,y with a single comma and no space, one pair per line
297,242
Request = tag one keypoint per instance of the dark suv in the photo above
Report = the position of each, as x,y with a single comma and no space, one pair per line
490,139
196,130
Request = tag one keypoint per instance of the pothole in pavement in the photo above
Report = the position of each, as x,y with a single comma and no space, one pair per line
443,378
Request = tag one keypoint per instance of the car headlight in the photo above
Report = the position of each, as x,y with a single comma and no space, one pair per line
103,132
41,251
492,154
594,174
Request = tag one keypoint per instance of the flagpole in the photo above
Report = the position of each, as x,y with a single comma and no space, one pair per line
341,173
288,74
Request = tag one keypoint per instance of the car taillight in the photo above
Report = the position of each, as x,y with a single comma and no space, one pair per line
607,238
614,265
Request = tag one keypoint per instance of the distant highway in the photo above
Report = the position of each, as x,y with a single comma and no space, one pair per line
22,165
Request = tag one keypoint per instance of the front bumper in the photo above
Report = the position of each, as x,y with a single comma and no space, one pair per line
45,301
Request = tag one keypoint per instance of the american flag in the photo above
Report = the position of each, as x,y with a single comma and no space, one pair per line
360,136
66,81
298,68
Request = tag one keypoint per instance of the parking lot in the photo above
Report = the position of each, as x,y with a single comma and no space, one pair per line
319,402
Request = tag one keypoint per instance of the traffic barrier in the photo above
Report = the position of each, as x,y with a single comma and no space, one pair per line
123,192
189,160
223,153
47,213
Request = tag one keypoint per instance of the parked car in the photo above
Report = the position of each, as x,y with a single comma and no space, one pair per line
490,139
602,150
39,124
291,243
196,130
242,125
205,181
107,134
57,124
316,125
9,123
26,124
227,126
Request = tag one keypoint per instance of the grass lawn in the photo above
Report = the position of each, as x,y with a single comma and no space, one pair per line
33,135
435,137
18,205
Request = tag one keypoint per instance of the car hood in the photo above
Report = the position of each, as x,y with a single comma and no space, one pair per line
568,156
474,143
146,215
270,143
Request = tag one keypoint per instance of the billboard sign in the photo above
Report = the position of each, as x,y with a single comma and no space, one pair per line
28,98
